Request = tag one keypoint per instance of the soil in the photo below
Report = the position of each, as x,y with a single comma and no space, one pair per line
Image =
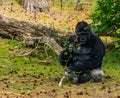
108,88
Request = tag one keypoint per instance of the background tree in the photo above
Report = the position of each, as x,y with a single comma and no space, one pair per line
106,16
32,5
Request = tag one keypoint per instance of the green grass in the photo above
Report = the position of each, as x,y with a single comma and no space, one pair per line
28,64
111,64
112,59
21,72
24,74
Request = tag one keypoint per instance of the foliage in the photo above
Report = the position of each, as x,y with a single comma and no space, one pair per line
106,16
118,33
117,43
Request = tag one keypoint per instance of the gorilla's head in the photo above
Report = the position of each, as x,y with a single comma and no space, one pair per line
82,31
82,26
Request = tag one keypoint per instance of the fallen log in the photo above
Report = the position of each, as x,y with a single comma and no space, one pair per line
34,41
18,28
31,33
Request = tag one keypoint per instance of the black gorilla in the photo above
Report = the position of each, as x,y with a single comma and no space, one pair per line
84,52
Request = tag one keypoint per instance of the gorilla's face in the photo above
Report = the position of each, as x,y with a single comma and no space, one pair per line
83,32
83,37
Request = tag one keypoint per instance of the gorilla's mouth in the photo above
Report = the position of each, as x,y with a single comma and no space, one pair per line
83,37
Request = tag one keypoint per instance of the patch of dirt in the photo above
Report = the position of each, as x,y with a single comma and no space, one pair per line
109,88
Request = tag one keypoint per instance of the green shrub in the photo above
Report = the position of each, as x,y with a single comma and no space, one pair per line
106,16
117,43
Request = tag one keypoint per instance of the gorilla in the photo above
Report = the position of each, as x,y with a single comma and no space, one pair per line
83,53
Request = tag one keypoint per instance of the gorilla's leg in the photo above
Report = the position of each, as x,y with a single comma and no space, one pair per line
84,77
76,67
79,75
68,75
97,75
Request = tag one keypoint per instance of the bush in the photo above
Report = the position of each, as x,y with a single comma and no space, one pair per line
106,16
117,43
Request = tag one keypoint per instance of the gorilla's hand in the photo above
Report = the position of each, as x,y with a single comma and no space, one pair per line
70,42
70,47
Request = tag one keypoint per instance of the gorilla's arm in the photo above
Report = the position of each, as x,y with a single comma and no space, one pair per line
65,57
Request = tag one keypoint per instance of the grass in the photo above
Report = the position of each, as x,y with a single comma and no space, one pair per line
17,70
23,74
111,59
26,75
111,63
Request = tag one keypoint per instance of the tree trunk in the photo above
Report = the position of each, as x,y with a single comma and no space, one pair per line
31,33
35,5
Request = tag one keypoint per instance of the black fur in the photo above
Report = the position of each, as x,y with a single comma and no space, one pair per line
84,57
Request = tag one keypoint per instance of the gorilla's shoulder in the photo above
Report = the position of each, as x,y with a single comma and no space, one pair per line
96,39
